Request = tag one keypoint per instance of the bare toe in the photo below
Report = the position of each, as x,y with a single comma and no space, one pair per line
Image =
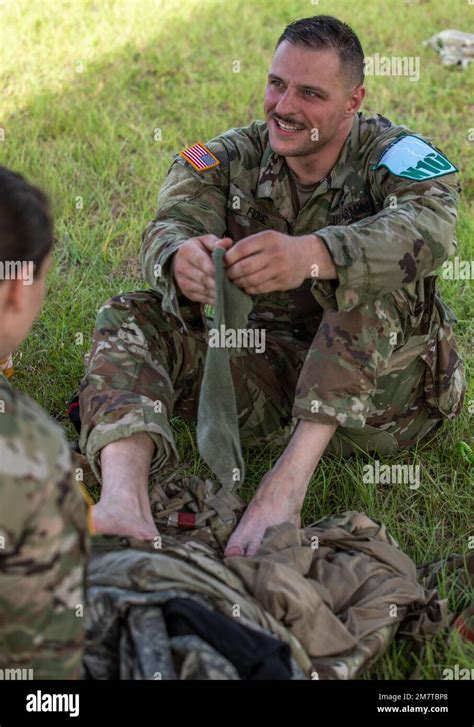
109,520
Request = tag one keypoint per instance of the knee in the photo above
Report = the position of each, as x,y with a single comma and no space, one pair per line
124,307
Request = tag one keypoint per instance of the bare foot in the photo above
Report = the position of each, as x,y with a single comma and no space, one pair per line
120,519
274,502
124,507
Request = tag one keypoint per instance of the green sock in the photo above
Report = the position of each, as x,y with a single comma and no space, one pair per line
218,436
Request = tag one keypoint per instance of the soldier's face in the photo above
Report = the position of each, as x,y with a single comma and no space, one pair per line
306,90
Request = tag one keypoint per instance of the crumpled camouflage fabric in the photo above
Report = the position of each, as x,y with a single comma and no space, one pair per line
457,572
121,578
127,639
201,546
459,575
43,544
211,512
128,580
342,586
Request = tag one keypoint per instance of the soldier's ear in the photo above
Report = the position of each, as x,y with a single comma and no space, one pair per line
355,98
13,297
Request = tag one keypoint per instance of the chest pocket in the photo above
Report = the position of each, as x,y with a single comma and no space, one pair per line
245,217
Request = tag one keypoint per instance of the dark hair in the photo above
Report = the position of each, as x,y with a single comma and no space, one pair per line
26,224
323,32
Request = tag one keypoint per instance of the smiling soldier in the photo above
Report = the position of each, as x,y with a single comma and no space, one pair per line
334,223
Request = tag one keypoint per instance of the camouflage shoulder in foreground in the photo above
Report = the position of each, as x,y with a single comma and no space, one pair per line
43,545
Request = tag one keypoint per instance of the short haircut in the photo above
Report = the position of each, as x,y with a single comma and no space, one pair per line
26,224
323,32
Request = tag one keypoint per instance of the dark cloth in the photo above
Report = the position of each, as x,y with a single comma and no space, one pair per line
129,584
255,655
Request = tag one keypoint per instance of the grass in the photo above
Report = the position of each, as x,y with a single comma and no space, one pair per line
84,87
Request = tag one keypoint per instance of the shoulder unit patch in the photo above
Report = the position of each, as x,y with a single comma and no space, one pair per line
200,157
412,158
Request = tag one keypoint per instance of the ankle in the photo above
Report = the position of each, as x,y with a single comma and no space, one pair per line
125,501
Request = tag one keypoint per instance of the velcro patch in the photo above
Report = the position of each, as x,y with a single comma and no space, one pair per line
412,158
200,157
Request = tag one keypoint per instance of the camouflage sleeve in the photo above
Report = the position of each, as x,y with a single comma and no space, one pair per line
43,546
411,235
190,203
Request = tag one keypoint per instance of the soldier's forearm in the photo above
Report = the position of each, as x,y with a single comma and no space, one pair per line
318,260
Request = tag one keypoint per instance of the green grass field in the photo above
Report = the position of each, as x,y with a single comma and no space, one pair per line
84,87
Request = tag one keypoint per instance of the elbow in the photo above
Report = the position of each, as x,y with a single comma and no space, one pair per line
435,239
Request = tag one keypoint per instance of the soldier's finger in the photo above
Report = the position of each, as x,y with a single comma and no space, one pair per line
245,247
201,298
193,279
189,287
225,242
258,279
269,286
248,266
207,239
200,259
196,276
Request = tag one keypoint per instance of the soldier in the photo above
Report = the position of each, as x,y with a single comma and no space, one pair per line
42,514
334,223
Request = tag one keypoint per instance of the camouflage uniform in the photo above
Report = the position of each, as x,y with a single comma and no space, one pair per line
372,352
332,605
43,546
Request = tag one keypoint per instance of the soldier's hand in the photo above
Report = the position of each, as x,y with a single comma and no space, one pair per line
193,267
266,261
270,260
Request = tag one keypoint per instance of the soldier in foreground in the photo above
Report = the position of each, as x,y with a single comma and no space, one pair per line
334,224
43,529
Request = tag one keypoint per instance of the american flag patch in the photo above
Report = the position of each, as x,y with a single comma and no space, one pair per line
200,157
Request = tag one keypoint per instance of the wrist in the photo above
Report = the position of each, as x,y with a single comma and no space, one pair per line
173,275
318,260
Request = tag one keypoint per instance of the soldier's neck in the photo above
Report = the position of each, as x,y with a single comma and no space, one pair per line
313,167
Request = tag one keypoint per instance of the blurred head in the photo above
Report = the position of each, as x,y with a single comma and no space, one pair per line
315,83
26,240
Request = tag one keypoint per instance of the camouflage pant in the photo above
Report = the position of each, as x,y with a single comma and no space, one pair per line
143,369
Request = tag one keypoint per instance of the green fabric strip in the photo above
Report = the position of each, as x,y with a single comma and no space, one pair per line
217,430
